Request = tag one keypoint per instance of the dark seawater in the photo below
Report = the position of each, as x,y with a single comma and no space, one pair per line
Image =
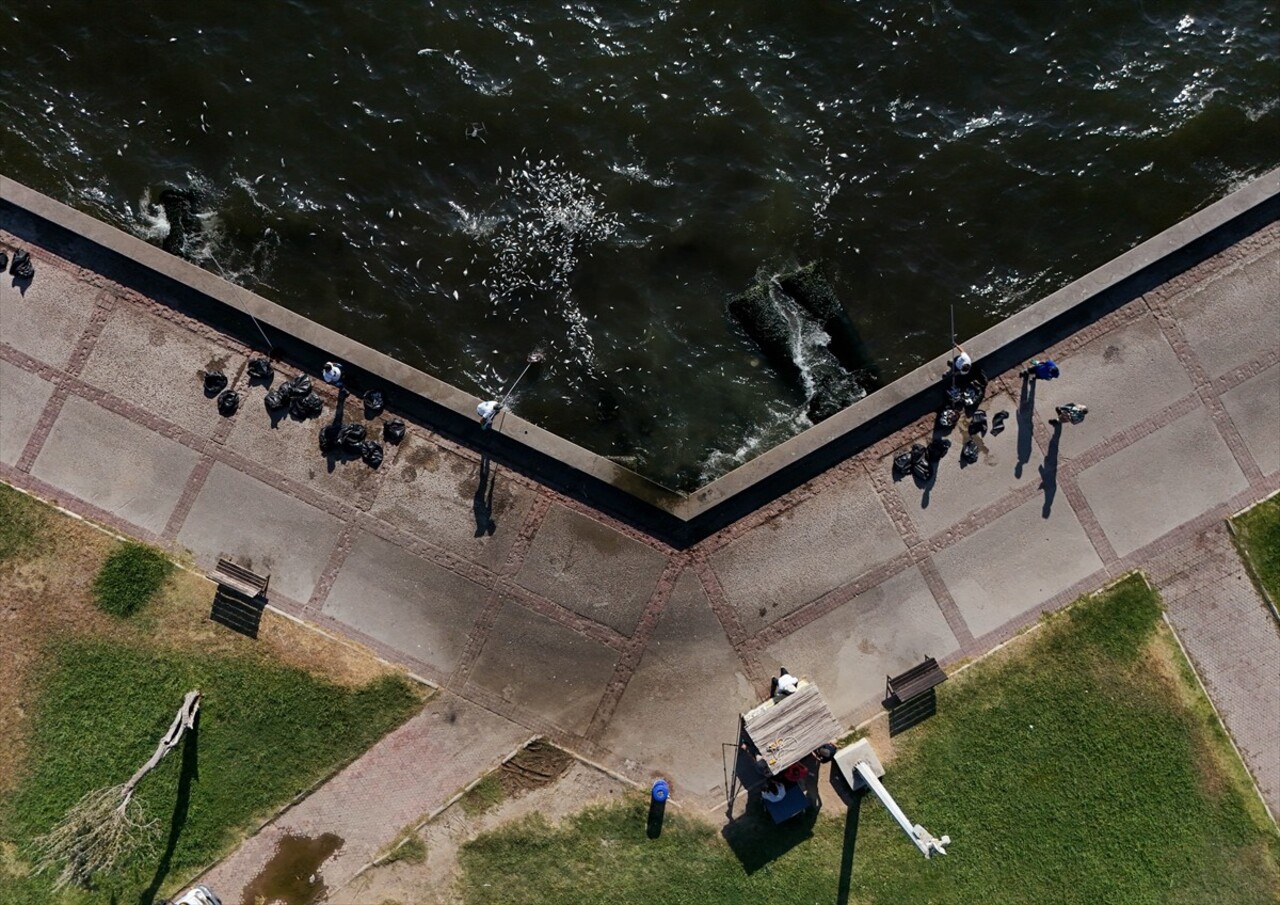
457,183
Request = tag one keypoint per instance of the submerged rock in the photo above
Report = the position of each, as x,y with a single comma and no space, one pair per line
834,375
180,208
759,316
812,291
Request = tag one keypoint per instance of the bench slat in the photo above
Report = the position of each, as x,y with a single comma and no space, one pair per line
915,681
240,579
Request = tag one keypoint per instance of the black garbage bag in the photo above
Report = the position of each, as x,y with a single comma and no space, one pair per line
997,422
260,369
978,422
4,261
228,402
308,406
969,453
276,399
917,452
923,469
297,388
938,447
902,463
214,383
22,268
373,404
393,431
371,453
328,438
971,396
947,418
955,397
351,436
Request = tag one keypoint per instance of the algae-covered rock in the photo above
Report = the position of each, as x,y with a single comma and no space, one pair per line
835,375
812,291
758,314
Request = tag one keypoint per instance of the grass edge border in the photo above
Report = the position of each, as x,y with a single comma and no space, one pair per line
1200,686
1242,549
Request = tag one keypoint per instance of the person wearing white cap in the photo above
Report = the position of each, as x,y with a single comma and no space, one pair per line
488,410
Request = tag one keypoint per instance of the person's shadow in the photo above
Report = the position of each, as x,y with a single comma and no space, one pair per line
482,502
1049,470
1026,425
190,772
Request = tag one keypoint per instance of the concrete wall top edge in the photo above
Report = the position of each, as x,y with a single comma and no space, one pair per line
857,421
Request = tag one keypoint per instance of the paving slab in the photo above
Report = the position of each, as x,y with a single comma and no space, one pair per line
406,602
432,492
1235,316
159,366
804,552
1169,477
23,396
958,489
115,464
883,631
543,667
262,529
1254,407
48,321
407,775
292,448
1124,377
1016,563
590,568
683,701
1234,642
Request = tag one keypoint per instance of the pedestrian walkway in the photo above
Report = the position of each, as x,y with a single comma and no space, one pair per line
532,606
1233,639
408,775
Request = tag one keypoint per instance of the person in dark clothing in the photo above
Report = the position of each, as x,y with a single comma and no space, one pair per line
1041,370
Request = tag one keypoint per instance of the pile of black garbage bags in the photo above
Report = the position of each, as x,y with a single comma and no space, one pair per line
921,460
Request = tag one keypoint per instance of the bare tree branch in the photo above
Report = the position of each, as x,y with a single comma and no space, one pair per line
101,829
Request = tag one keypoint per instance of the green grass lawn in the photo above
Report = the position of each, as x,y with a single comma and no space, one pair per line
131,576
22,523
265,733
86,695
1080,765
1258,531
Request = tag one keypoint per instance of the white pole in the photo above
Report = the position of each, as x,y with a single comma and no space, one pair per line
919,836
951,367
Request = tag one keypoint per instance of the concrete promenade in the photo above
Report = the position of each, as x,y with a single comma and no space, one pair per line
566,622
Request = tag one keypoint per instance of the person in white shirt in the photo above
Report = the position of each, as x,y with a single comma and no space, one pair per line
785,683
962,363
773,791
332,373
488,410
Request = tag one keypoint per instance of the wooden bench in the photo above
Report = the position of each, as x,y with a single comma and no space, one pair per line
240,599
900,689
239,579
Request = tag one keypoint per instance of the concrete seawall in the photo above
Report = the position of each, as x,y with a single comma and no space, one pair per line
676,519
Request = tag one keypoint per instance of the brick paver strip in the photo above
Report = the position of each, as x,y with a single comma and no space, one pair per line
946,603
748,650
634,648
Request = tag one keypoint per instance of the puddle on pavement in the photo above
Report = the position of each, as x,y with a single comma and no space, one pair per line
291,876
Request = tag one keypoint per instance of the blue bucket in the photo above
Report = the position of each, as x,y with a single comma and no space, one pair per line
661,791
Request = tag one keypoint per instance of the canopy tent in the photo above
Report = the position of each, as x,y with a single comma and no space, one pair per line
786,729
